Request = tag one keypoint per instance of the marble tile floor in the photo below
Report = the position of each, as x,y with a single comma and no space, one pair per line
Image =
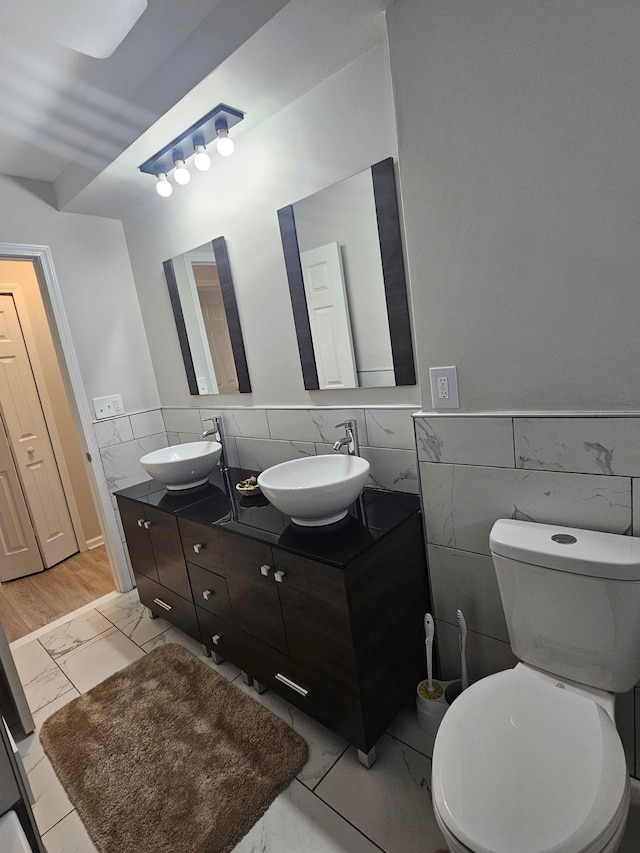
334,805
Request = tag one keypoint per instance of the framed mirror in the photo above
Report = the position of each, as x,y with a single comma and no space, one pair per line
345,267
206,315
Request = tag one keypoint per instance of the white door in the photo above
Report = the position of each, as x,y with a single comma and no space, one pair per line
329,316
19,555
217,330
30,443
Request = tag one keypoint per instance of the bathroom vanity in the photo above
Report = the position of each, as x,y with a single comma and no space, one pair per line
328,617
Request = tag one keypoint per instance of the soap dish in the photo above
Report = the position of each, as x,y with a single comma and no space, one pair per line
248,487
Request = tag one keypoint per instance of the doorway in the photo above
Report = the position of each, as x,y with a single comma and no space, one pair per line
52,553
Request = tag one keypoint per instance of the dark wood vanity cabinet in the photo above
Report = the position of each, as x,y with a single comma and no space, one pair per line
158,562
343,642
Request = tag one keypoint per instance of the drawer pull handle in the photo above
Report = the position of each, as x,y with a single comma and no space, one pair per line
207,594
162,604
146,524
199,546
264,570
287,681
216,639
141,522
278,576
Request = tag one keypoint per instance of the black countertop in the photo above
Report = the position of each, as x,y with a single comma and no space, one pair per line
217,503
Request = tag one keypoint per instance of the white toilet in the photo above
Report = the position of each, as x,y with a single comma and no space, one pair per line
529,760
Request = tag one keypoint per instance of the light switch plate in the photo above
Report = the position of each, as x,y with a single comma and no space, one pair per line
444,387
108,407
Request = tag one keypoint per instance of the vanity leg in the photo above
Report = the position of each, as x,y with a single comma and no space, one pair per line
259,687
216,658
205,651
151,614
248,679
367,759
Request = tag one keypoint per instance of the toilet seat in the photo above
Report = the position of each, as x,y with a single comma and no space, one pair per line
520,764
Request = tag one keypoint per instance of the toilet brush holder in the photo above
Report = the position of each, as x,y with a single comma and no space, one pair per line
431,706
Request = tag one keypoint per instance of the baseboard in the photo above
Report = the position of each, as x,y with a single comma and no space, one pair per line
96,542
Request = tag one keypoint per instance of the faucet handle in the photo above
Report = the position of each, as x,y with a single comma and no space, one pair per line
344,424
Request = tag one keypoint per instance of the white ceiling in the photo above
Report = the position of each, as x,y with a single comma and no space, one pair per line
85,124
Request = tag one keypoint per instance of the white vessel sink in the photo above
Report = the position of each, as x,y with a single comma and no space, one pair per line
183,466
315,490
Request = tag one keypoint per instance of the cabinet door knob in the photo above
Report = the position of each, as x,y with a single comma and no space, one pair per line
264,570
162,604
146,525
216,639
141,522
207,594
199,546
278,576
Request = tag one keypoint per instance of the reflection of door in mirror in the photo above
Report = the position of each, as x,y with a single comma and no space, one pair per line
207,321
324,287
215,326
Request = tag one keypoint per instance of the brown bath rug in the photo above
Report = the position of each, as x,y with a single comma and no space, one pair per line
168,757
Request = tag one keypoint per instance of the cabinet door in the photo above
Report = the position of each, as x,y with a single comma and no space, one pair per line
167,549
138,539
316,618
254,596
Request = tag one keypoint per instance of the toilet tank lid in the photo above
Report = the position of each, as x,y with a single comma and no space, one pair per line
567,549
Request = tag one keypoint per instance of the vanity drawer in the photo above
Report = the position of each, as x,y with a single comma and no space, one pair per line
200,545
164,602
304,688
209,590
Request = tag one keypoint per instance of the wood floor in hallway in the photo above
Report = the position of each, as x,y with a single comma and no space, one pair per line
31,602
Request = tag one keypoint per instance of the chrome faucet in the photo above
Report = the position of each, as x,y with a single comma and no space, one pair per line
349,439
218,431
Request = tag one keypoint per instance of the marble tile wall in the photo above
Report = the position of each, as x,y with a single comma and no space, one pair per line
577,471
258,438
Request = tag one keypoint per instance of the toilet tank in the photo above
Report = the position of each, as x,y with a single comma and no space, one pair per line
571,599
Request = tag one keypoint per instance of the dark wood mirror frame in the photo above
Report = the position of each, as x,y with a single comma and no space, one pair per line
231,310
395,285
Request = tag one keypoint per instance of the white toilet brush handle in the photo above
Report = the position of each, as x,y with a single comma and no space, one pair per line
429,631
462,641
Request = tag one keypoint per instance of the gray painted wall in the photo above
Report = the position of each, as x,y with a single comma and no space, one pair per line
518,128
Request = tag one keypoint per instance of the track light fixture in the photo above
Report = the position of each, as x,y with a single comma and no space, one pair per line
214,126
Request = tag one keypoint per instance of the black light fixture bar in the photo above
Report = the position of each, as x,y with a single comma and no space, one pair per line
202,132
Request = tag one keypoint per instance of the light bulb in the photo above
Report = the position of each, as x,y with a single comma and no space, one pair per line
181,174
201,161
163,186
224,143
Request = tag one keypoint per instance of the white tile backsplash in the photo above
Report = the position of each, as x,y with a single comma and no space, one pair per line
314,424
249,423
461,502
258,454
465,441
587,445
395,470
113,431
390,428
147,423
121,462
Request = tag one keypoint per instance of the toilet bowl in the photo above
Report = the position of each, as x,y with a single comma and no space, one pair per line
521,765
529,760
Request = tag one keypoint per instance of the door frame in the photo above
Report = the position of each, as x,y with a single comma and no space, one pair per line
80,408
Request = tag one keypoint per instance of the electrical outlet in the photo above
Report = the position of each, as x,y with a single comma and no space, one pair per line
444,387
108,407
